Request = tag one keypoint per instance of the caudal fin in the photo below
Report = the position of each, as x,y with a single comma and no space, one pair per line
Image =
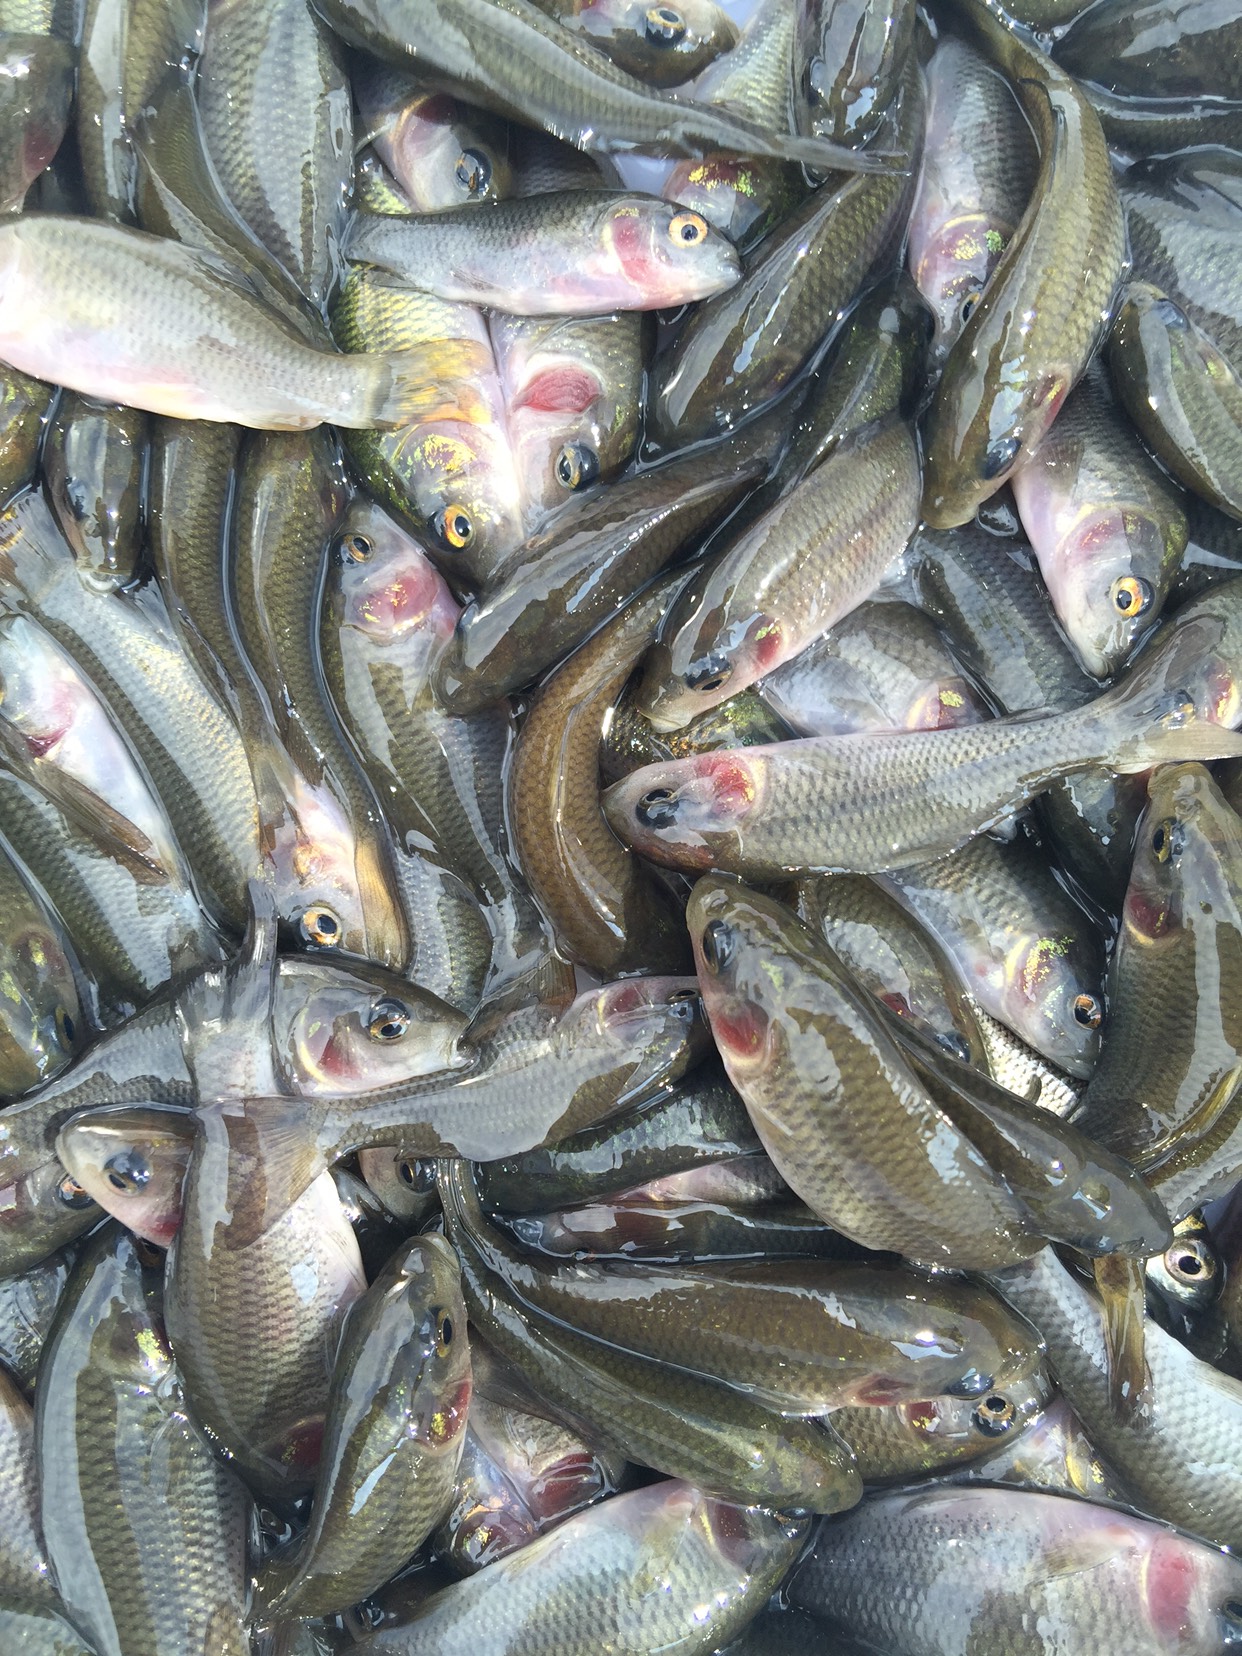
422,383
1154,715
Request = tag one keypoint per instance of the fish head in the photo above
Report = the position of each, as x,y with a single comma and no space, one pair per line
660,1018
421,1309
1191,1592
340,1028
42,1024
735,194
1187,851
951,265
131,1159
384,584
688,812
444,155
741,951
42,1208
405,1184
981,1424
1051,996
691,33
669,254
549,1465
1109,1209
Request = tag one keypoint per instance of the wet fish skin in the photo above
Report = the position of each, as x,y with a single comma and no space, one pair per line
1108,531
1180,391
849,56
881,667
898,1442
1158,126
544,75
25,1580
43,1022
889,952
609,912
441,153
168,326
814,805
1126,49
27,1306
660,1417
1021,1570
794,288
1054,1453
808,561
93,464
278,123
1004,382
24,406
1172,1058
576,253
1190,1416
577,1584
37,91
174,1573
631,740
848,1125
659,52
700,1123
978,171
582,566
1029,954
393,1437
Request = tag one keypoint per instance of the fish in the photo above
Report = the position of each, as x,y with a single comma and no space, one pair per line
1107,530
979,164
827,804
662,47
881,667
848,60
1162,1093
1189,1417
574,253
572,389
1025,950
441,153
167,325
608,910
93,464
583,564
131,1159
807,562
393,1438
128,1585
997,1567
832,1097
794,288
1126,49
405,1185
542,74
277,118
718,1564
1005,380
938,1436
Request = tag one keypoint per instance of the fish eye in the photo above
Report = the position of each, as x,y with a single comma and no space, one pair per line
1087,1011
688,228
658,808
389,1021
454,527
320,926
993,1415
967,308
1000,456
576,466
66,1029
664,25
474,171
1231,1609
718,945
708,673
955,1044
416,1174
1131,595
1168,841
128,1171
444,1333
1189,1262
684,1004
72,1194
355,549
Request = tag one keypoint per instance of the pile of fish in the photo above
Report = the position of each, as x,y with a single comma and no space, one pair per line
620,769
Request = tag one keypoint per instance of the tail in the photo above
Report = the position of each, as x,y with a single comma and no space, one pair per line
1155,714
419,384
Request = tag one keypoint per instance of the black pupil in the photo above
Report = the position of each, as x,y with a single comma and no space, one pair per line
460,525
1188,1265
407,1172
689,232
1124,598
446,1331
1084,1010
1158,841
69,1027
1233,1609
473,170
995,1405
717,945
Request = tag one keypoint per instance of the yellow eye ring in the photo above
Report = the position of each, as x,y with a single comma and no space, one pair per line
1131,595
454,526
444,1333
388,1022
1166,842
320,926
993,1415
355,548
72,1194
688,228
576,466
664,25
1087,1011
